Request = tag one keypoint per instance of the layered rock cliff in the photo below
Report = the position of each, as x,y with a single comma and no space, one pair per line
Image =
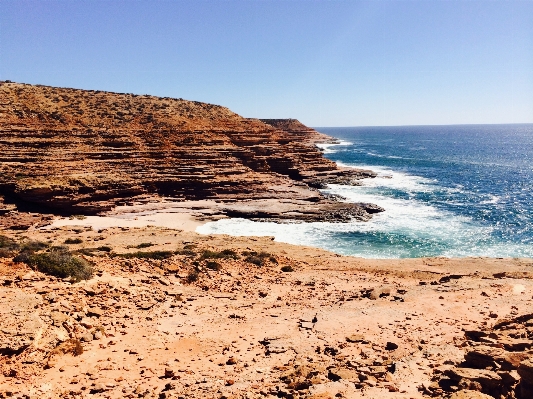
86,151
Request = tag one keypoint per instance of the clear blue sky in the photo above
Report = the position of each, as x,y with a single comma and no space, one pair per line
327,63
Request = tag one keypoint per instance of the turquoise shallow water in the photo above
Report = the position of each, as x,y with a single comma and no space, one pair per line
447,190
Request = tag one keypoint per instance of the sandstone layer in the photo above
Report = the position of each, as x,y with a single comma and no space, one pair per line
83,151
227,317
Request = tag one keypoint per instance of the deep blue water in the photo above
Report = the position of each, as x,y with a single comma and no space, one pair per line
463,190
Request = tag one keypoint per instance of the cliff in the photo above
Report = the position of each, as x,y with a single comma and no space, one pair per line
86,151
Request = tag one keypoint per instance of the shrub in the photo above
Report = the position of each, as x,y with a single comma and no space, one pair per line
34,246
193,276
185,251
224,254
104,248
144,245
255,260
60,263
259,258
287,269
73,241
213,265
158,255
8,247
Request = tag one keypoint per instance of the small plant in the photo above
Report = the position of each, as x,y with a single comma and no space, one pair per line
104,248
157,255
213,265
73,241
144,245
224,254
186,252
8,247
34,246
60,263
193,276
259,258
71,345
287,269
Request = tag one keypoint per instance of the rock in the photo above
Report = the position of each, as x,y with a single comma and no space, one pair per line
489,380
169,373
516,345
341,373
467,394
379,293
509,378
87,337
164,281
371,381
231,361
356,338
276,348
307,325
17,333
95,312
525,370
482,356
210,152
87,322
391,346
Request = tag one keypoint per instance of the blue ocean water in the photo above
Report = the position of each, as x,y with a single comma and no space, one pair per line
462,190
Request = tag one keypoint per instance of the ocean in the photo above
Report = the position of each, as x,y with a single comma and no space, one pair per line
452,191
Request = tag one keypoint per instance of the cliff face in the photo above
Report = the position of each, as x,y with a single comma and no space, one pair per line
86,151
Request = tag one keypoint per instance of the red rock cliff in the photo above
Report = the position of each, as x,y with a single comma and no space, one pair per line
86,151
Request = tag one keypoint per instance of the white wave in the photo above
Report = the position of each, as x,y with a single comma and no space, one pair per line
330,148
388,178
407,228
494,199
405,219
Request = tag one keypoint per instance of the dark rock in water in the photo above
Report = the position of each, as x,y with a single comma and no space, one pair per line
371,208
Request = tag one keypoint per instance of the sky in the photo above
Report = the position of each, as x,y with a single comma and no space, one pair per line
324,62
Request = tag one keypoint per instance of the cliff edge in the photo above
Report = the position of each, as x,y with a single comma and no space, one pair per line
86,151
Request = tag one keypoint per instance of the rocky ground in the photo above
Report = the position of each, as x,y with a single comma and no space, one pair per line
227,317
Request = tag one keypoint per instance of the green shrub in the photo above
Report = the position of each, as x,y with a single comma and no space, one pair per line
185,251
157,255
6,242
224,254
144,245
8,247
60,263
259,258
104,248
34,246
73,241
